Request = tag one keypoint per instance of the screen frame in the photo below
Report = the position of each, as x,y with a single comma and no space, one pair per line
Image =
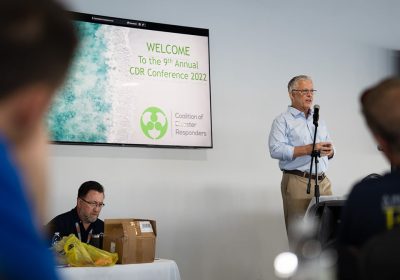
146,25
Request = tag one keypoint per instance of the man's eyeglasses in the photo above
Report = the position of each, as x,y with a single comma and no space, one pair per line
305,91
93,204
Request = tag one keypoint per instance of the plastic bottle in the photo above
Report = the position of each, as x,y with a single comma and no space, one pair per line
56,238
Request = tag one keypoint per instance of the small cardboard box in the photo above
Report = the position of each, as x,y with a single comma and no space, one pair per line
133,239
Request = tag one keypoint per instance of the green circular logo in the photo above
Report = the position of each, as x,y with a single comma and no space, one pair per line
154,123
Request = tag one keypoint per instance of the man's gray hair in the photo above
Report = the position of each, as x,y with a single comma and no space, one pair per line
295,79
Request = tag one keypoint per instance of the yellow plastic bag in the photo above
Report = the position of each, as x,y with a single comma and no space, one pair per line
78,253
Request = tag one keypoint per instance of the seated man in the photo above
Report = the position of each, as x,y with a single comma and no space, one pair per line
83,219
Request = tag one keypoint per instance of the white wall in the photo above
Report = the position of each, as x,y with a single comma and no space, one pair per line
219,211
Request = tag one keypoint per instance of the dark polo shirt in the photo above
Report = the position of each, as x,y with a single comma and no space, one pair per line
69,222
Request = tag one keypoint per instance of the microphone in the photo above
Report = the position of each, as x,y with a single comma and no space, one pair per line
316,114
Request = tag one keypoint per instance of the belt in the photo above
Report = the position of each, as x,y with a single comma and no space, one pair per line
305,174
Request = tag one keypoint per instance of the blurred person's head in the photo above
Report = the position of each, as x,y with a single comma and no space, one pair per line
381,109
37,42
90,201
301,92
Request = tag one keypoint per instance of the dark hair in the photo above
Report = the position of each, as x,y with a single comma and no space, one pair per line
90,186
380,107
37,42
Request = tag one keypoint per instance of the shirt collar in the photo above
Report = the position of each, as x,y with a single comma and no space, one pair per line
297,113
75,214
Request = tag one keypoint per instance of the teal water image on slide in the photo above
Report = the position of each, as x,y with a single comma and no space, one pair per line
81,110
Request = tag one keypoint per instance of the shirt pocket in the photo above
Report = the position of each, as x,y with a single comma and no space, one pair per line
297,135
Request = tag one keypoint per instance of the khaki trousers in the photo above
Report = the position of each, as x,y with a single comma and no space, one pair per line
296,200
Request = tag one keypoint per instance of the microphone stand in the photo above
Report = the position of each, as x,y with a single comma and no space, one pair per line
314,156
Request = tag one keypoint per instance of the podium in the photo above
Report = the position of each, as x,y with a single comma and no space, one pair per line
326,214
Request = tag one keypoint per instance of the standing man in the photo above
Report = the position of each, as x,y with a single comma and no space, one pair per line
290,141
83,220
37,42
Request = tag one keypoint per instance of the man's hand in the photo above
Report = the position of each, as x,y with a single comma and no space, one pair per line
325,149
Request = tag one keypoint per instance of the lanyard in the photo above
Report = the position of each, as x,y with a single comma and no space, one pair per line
89,236
78,230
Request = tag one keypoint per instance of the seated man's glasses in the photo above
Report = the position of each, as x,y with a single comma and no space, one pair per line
93,204
304,91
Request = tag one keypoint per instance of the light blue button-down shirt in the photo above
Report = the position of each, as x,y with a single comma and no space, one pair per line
291,129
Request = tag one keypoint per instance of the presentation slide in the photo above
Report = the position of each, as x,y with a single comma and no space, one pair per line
135,83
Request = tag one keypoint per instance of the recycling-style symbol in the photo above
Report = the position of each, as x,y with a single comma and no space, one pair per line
154,123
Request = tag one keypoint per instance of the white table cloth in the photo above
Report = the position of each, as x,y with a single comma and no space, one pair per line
160,269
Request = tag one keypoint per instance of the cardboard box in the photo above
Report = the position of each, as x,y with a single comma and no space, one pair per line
133,239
